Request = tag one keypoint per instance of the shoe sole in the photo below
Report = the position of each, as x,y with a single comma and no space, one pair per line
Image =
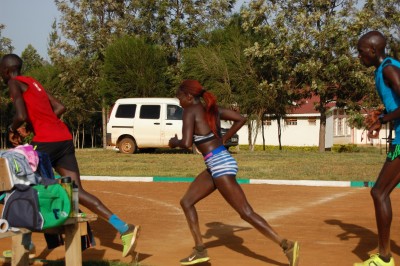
136,232
296,250
195,261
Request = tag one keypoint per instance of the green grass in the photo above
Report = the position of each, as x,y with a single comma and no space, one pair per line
362,164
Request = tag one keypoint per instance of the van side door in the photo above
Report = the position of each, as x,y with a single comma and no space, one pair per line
173,123
148,126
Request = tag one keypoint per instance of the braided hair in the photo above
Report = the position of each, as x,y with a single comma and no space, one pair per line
210,101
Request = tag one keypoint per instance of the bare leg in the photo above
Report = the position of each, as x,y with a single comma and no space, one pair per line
85,198
200,188
387,180
234,195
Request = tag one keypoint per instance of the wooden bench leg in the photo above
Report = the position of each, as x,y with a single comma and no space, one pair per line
20,250
73,245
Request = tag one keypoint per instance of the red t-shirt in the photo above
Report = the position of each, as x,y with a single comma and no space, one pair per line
46,125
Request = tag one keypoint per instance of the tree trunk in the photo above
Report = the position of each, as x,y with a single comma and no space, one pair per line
322,130
83,136
104,123
92,134
249,130
278,120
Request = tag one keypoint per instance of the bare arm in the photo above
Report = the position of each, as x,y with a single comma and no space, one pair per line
188,121
56,105
19,104
238,122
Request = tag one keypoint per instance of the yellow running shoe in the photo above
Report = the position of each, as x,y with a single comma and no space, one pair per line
292,253
375,260
32,252
129,239
195,257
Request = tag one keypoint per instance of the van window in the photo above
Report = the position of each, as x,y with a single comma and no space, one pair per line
174,112
126,111
150,112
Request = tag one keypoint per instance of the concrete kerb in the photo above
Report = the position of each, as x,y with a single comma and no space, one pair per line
313,183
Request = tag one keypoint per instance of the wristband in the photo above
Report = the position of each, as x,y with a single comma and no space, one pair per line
380,118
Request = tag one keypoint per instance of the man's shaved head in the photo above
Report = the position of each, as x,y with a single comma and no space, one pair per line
375,39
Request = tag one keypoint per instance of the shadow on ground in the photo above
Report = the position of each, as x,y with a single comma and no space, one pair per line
226,236
367,239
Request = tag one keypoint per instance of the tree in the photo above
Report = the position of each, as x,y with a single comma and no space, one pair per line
133,68
31,59
85,30
311,50
5,43
222,67
5,102
179,24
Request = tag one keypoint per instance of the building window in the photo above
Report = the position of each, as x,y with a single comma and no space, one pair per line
312,121
291,121
267,122
340,127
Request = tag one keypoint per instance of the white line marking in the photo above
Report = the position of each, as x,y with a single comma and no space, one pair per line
177,211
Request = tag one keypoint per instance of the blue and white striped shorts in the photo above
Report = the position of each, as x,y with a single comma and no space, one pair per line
220,162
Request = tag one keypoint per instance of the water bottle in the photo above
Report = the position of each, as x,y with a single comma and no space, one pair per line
66,183
75,199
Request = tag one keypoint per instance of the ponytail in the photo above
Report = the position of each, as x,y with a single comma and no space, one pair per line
194,87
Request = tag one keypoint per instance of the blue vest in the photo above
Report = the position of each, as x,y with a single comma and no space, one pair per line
389,97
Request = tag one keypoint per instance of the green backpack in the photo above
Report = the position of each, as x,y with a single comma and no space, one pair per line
54,204
37,207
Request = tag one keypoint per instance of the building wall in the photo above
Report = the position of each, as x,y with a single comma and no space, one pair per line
296,131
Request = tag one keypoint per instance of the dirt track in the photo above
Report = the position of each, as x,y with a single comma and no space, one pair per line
335,226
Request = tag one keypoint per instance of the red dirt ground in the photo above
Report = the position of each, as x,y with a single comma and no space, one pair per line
335,226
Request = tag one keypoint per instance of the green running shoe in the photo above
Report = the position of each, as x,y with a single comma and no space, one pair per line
129,239
196,257
375,260
292,253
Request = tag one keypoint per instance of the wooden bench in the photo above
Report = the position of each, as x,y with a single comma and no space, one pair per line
73,229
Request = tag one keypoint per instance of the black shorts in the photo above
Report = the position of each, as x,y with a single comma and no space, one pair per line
393,153
61,153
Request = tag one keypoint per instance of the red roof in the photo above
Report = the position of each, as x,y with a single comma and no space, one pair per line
306,106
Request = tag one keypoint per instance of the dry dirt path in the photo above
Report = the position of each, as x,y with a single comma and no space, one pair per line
335,226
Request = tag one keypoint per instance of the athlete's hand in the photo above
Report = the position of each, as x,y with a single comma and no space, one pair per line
372,124
173,142
15,138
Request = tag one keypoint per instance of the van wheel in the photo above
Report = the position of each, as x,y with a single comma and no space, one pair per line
127,145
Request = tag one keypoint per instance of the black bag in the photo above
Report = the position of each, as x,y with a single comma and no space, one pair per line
37,207
21,208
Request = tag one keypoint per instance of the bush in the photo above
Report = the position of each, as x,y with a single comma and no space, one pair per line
346,148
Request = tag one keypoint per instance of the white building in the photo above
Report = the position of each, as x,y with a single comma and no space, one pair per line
301,128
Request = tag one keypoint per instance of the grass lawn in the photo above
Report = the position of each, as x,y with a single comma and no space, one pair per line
291,164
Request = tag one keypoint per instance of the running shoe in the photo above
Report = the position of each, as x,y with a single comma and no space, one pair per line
32,252
196,257
129,239
292,253
375,260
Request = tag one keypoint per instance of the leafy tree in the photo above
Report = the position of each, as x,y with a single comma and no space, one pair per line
86,28
5,102
31,59
310,50
5,43
222,67
178,24
133,68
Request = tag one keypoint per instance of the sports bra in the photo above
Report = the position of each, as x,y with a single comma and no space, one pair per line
199,139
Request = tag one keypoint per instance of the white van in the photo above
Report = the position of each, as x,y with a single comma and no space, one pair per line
146,123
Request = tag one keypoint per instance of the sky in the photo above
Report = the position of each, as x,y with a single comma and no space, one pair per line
29,22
